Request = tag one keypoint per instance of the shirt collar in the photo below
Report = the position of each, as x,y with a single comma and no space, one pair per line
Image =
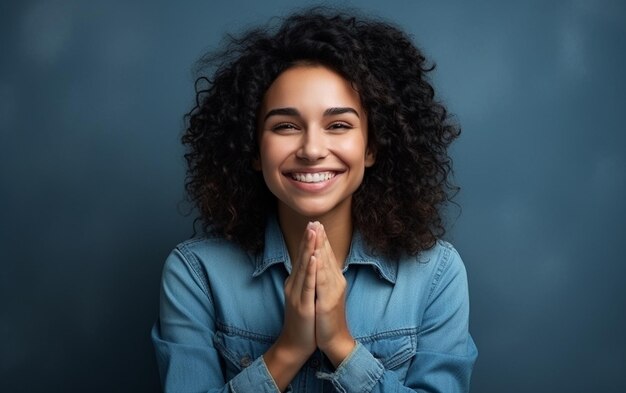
275,251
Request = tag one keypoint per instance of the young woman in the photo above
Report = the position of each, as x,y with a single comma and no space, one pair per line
318,160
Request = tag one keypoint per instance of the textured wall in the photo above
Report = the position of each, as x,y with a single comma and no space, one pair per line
91,179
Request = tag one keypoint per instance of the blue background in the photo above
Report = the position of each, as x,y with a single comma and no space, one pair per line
92,96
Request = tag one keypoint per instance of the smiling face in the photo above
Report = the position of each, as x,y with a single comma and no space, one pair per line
313,143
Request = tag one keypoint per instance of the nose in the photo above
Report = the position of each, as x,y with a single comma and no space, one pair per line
313,146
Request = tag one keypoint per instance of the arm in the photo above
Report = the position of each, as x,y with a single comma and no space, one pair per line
446,352
183,337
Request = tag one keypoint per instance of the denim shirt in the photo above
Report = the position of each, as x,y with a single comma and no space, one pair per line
222,308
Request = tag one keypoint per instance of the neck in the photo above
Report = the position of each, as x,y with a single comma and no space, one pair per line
338,228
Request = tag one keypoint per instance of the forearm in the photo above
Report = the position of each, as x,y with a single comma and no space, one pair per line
283,363
361,372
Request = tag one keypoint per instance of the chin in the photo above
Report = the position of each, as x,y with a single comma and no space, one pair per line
313,213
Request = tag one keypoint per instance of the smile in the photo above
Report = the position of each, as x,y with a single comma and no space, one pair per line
316,177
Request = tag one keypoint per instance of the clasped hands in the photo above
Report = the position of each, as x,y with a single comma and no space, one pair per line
315,294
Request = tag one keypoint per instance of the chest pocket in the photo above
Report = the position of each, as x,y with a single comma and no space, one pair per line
394,350
239,349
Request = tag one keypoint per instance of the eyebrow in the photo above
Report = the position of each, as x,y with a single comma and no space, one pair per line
294,112
340,111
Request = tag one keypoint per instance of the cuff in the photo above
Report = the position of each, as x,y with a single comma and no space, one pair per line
358,372
254,378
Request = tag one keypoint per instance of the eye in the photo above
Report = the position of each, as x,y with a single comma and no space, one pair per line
285,128
339,126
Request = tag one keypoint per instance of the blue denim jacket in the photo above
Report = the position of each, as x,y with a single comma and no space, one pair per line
222,308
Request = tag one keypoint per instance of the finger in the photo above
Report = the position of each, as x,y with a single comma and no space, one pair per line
295,266
319,247
319,236
321,274
330,274
327,252
307,248
330,256
307,295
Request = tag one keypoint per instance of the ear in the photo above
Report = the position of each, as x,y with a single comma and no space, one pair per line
370,157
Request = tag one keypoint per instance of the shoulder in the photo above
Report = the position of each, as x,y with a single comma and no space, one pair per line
207,248
211,250
204,257
449,275
435,267
442,256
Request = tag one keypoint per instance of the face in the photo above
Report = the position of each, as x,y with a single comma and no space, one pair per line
313,142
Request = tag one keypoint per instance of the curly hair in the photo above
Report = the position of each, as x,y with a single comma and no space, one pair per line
398,207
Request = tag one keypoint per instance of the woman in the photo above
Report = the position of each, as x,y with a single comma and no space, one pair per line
317,157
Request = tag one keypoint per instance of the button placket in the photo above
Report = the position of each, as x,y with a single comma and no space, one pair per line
314,363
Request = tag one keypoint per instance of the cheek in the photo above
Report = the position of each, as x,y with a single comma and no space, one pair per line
354,151
271,155
265,152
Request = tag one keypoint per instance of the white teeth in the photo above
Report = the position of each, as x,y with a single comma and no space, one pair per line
313,177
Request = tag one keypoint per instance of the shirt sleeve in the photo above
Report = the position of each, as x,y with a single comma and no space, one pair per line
183,337
446,352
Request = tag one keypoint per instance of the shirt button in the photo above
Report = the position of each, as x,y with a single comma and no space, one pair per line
245,361
315,363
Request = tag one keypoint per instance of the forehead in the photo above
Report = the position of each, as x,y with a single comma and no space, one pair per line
310,86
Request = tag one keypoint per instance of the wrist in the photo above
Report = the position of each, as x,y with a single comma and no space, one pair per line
337,351
283,363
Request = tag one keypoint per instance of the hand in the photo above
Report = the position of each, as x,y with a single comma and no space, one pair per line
299,325
296,342
331,328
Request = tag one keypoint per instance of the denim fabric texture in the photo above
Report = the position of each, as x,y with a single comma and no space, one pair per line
222,308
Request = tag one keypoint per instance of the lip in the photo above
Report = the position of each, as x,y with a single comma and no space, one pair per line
313,170
312,187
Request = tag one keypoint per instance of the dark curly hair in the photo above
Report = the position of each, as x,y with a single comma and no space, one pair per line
398,206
